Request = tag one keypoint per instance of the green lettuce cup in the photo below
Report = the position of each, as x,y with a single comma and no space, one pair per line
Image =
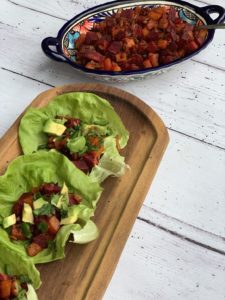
82,126
18,276
44,200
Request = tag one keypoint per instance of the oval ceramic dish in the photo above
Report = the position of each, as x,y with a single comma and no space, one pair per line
64,42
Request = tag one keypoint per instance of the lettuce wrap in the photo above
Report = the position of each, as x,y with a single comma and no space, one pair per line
29,171
96,114
13,262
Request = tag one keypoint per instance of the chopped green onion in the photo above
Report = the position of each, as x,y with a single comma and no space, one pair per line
26,230
45,210
43,227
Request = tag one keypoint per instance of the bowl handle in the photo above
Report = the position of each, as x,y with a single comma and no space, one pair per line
51,41
215,9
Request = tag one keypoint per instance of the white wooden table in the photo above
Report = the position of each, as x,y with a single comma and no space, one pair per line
177,246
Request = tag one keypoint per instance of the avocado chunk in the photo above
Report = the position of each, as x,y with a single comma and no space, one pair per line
54,128
27,216
39,203
73,213
98,129
64,189
9,221
77,144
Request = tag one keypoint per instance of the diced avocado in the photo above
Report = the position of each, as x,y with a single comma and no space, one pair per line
9,221
26,230
64,189
73,213
54,128
98,129
77,144
53,150
69,220
27,216
39,203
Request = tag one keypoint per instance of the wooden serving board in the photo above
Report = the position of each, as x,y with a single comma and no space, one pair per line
87,269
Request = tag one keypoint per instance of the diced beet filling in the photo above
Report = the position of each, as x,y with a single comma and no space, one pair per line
86,161
10,286
47,224
142,31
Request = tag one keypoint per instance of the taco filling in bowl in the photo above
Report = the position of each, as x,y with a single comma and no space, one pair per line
83,127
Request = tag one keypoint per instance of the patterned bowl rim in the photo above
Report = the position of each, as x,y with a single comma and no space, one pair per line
202,13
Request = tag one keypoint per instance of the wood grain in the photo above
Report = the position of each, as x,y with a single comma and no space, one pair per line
93,264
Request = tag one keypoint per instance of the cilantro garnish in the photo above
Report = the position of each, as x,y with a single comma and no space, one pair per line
46,210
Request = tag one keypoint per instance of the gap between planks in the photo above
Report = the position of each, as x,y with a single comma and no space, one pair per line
183,230
169,128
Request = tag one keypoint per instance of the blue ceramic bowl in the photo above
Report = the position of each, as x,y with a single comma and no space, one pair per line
64,42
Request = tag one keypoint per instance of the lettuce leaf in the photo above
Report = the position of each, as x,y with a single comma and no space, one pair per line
91,109
17,261
111,163
88,107
31,294
30,171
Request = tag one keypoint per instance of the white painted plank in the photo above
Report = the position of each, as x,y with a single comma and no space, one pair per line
182,229
190,98
214,55
16,94
66,9
158,266
189,185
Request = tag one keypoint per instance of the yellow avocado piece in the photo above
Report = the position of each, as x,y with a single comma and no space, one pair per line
54,128
39,203
64,189
27,214
9,221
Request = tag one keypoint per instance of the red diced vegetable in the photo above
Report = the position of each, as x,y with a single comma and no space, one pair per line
49,188
82,165
147,63
162,44
107,64
91,159
91,37
33,249
17,233
53,225
192,46
115,47
5,288
14,288
72,122
74,199
129,42
130,30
